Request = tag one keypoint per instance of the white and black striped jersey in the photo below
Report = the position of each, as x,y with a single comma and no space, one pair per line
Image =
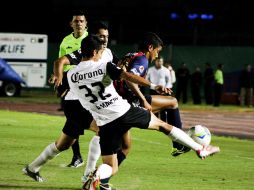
75,58
92,82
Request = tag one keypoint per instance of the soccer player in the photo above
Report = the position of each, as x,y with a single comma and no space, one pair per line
156,103
77,118
92,81
101,30
69,44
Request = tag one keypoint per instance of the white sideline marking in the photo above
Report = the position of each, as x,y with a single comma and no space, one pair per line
151,142
248,158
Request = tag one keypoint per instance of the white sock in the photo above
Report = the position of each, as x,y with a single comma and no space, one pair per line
47,154
93,154
181,137
104,171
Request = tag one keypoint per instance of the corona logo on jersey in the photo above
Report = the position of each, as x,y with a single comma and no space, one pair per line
76,77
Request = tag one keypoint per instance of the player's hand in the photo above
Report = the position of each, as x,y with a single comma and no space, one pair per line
146,105
51,79
163,90
56,80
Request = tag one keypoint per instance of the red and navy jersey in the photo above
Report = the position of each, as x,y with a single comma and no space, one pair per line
138,65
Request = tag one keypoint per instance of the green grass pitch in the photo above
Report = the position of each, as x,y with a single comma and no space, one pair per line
149,165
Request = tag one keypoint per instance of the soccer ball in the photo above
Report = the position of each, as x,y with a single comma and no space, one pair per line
200,134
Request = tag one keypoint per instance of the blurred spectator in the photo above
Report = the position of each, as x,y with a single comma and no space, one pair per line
196,81
159,74
172,73
246,86
182,78
218,84
208,83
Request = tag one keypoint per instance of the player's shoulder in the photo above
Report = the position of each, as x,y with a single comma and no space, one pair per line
140,59
107,55
107,51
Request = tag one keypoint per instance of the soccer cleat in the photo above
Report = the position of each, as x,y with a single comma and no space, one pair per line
207,151
36,176
76,162
92,181
84,178
176,152
106,186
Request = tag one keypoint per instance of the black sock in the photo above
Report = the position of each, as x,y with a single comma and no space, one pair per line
173,117
120,157
104,181
76,149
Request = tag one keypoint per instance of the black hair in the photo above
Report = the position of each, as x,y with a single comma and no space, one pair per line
89,44
96,26
220,65
148,39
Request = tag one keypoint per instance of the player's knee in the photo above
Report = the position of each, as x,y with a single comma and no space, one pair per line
63,146
172,103
175,103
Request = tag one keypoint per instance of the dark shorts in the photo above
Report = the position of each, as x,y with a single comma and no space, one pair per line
135,101
111,133
77,118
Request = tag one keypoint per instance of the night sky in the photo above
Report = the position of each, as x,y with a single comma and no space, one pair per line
231,23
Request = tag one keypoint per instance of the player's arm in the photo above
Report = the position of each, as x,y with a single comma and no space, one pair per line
58,69
116,73
136,90
69,59
137,68
135,79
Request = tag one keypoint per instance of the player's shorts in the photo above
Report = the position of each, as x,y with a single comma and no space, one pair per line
77,118
135,101
111,133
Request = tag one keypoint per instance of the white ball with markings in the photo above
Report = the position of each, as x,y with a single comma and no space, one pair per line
200,134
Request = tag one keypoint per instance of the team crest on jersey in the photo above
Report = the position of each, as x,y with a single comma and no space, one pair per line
141,68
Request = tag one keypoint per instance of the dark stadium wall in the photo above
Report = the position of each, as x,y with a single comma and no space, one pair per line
233,57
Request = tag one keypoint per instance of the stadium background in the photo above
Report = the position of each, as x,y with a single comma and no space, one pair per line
194,31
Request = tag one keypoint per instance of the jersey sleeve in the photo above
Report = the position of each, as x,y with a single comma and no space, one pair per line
139,66
113,71
74,57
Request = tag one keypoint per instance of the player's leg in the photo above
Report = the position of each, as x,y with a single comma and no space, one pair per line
77,160
99,178
126,146
171,115
110,160
93,156
50,152
66,139
73,112
94,150
181,137
110,141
